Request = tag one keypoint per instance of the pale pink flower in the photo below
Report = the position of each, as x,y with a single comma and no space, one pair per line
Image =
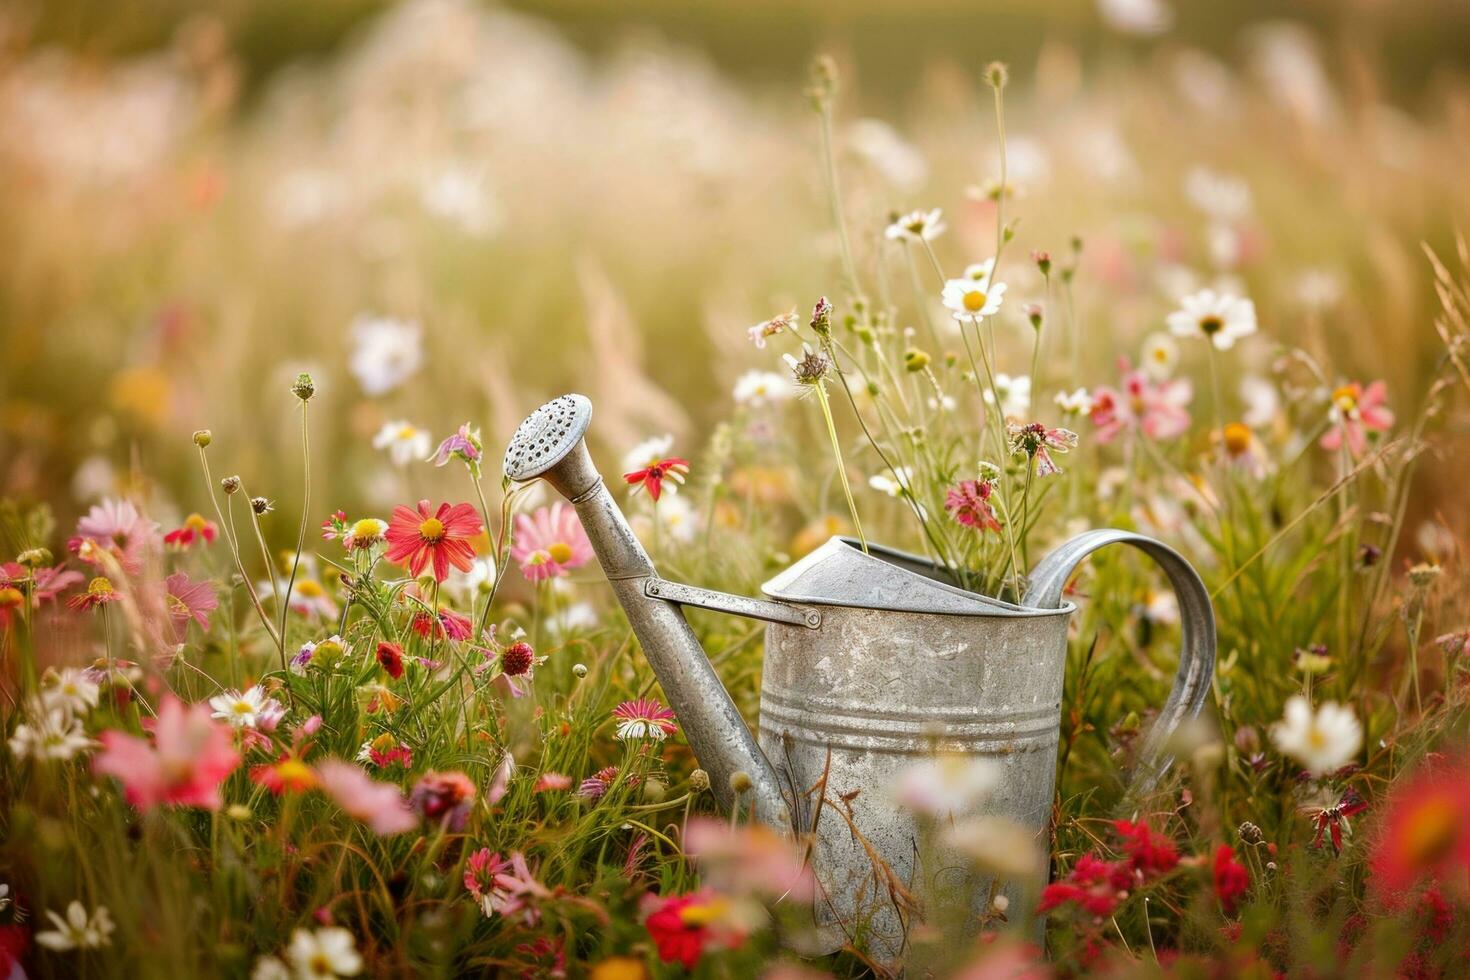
189,757
188,600
379,805
1158,409
1355,413
549,542
116,526
748,860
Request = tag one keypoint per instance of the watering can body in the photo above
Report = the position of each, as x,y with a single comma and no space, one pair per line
874,663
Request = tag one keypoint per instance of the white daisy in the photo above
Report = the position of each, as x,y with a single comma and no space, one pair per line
677,519
242,710
1220,318
78,930
980,271
970,299
1074,403
758,388
1160,355
1262,401
1223,197
326,953
52,734
385,354
916,226
270,968
1144,18
68,690
404,441
895,482
949,784
1323,741
1015,395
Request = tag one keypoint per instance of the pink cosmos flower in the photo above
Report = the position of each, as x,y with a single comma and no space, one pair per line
379,805
1355,412
464,445
188,758
549,542
195,529
506,887
595,786
448,624
552,782
117,527
748,860
188,600
1156,408
969,503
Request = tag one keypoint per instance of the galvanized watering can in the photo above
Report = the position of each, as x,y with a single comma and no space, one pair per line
873,662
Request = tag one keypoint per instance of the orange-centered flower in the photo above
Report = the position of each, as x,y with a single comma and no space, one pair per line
417,537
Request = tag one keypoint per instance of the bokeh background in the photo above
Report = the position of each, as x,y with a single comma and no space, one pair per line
199,201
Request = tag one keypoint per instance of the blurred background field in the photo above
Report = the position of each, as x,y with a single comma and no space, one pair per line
198,202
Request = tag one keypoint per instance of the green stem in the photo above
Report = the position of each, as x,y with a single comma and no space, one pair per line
841,466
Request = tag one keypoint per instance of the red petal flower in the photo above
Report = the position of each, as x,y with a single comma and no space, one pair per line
417,538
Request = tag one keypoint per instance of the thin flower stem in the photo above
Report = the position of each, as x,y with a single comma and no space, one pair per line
834,198
305,514
234,542
922,300
1000,197
821,392
1003,453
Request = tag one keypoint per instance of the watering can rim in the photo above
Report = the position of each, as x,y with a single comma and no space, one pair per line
932,596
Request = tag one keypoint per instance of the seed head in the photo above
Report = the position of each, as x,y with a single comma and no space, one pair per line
997,74
740,781
811,370
1249,833
579,670
261,505
230,484
202,438
516,659
34,557
822,318
699,780
303,387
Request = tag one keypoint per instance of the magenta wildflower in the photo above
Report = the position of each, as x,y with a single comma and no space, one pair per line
644,718
969,503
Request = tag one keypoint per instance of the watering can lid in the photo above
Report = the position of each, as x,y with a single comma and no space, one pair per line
840,574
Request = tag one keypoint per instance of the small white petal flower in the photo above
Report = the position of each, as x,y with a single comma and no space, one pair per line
78,930
1074,403
404,441
1015,395
973,300
325,953
1220,318
1323,741
385,353
68,690
1224,197
916,226
50,734
950,784
241,710
759,388
1160,355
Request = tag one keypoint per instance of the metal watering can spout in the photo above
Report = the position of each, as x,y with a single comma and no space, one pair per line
549,445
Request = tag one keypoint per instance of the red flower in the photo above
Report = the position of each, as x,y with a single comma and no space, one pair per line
1334,819
415,538
1232,880
99,592
652,476
1149,852
1095,886
447,624
684,927
1425,833
288,774
390,658
195,528
969,503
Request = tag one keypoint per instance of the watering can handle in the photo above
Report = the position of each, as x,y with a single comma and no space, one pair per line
1197,624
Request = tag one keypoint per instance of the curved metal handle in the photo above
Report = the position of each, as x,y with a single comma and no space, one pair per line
1197,624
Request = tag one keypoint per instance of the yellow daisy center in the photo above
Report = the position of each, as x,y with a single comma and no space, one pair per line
195,522
432,529
975,300
10,597
366,529
1237,438
99,586
407,432
310,588
561,552
1346,397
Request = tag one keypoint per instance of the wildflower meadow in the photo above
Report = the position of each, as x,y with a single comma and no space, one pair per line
316,662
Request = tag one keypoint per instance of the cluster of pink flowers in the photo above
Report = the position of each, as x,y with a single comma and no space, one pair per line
1155,409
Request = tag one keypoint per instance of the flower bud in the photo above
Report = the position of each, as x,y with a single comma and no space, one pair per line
230,484
1033,313
699,780
261,505
303,387
822,318
997,74
202,438
1042,258
1249,833
34,557
740,781
654,791
579,670
915,359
